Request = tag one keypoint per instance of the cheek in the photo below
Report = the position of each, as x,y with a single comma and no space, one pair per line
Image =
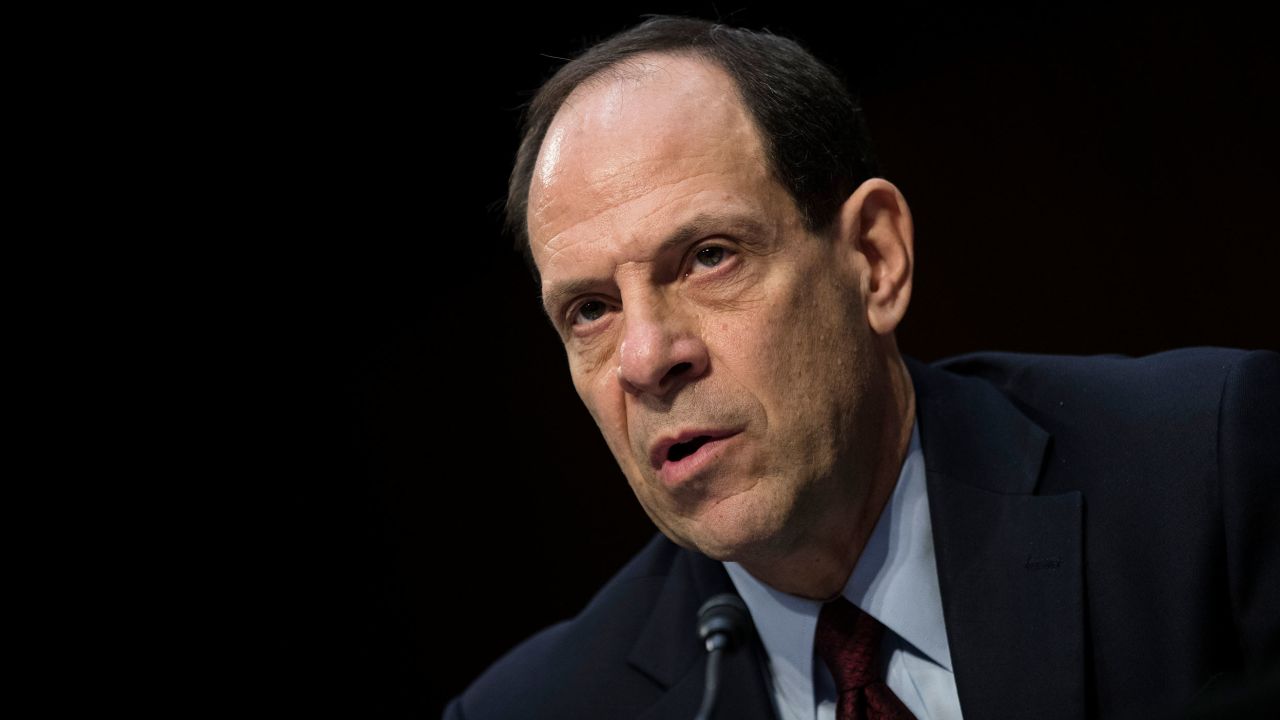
595,398
592,356
592,367
603,398
782,336
800,351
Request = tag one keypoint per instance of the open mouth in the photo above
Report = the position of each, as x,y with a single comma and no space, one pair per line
680,451
677,463
698,450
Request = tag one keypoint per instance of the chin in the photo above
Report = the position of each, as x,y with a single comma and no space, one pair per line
752,522
725,552
735,535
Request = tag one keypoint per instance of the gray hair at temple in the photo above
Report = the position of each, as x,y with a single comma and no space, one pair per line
813,130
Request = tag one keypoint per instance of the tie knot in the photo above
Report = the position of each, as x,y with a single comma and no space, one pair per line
847,640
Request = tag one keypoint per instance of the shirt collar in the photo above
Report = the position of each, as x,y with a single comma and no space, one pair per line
896,578
895,581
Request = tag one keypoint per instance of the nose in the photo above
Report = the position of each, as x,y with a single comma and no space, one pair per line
662,349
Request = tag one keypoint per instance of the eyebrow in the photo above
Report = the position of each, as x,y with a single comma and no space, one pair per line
700,224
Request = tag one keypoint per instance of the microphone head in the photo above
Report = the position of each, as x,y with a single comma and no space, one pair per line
727,615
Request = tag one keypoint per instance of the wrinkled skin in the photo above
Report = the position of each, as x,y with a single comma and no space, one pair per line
748,323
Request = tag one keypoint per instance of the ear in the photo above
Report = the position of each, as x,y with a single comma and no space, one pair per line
875,224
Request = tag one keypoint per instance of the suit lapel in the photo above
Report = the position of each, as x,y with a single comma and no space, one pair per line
1009,568
670,653
1009,562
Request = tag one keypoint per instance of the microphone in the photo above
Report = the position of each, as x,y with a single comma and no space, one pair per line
724,625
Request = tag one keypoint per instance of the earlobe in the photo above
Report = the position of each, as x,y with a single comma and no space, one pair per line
876,224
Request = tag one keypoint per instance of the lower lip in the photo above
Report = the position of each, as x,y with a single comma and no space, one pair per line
676,472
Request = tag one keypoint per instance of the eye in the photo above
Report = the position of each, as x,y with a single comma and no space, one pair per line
590,311
709,257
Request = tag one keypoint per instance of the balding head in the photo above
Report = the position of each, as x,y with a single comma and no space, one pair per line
811,131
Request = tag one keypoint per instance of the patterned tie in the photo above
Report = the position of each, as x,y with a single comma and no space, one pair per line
847,641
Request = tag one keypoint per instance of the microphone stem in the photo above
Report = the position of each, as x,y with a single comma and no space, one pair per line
711,689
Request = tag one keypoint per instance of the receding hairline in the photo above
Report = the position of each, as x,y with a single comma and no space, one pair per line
635,69
810,127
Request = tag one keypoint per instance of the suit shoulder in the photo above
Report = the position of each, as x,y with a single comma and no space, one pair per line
1002,366
1152,420
1189,380
564,669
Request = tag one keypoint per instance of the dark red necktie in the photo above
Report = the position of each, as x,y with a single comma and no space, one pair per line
848,641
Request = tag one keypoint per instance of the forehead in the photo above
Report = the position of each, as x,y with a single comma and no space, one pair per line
651,144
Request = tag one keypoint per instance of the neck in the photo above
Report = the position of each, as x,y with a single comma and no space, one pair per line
819,565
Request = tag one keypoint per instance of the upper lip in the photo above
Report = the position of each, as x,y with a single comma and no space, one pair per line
658,453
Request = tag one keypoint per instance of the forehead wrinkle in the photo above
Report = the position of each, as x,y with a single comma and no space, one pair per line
606,187
614,229
602,224
618,225
606,152
736,218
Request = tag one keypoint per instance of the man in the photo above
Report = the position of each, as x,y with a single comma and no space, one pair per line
995,536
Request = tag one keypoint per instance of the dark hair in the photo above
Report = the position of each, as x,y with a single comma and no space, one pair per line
814,133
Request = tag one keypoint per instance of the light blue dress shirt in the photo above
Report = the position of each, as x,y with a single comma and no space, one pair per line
896,582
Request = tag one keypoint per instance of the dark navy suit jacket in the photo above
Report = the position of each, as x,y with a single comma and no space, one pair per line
1107,533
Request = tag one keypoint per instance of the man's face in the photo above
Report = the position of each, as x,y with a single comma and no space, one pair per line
722,349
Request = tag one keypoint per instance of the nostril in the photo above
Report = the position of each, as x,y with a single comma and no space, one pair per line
679,369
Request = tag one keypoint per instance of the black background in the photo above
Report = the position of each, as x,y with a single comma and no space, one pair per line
429,488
